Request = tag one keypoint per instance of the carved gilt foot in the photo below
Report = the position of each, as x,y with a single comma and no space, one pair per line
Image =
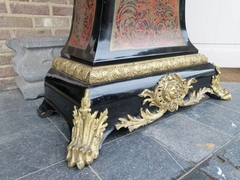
220,93
87,134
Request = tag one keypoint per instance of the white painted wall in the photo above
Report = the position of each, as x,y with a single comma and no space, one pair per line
214,28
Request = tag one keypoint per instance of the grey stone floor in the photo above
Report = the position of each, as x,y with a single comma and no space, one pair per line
198,142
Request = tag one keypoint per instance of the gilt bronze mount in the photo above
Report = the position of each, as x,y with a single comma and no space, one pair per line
130,60
87,134
111,73
168,95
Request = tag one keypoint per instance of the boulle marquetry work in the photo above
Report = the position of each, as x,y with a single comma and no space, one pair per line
83,23
224,94
87,134
169,93
149,45
140,23
100,74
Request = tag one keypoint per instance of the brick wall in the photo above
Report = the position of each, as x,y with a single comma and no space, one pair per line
29,18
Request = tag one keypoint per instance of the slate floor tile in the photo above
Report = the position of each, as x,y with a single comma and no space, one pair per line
56,119
60,171
188,138
196,175
12,100
137,156
26,152
115,134
35,148
61,124
231,86
225,164
20,119
217,117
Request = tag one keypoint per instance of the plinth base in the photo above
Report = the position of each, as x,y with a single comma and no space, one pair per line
130,99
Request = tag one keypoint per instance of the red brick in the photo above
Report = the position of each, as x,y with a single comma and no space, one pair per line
51,22
29,9
15,22
6,82
3,8
4,34
52,1
62,11
6,59
4,48
20,0
33,32
7,71
62,32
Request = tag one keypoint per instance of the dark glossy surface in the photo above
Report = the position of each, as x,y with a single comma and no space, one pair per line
98,50
120,98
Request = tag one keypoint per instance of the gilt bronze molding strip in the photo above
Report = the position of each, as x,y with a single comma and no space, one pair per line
109,73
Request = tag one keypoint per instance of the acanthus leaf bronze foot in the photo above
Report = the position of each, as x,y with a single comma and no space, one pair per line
219,92
87,134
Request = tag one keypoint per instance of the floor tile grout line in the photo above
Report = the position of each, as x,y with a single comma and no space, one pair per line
224,107
35,103
95,172
205,159
207,125
39,170
174,159
58,129
169,149
231,137
195,167
202,172
128,134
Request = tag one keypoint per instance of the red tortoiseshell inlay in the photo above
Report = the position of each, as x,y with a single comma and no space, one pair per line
146,23
83,23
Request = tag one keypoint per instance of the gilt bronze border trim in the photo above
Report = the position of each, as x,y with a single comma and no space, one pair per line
109,73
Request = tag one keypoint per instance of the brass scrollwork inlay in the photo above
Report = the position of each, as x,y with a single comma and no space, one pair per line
146,24
168,95
109,73
87,134
224,94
